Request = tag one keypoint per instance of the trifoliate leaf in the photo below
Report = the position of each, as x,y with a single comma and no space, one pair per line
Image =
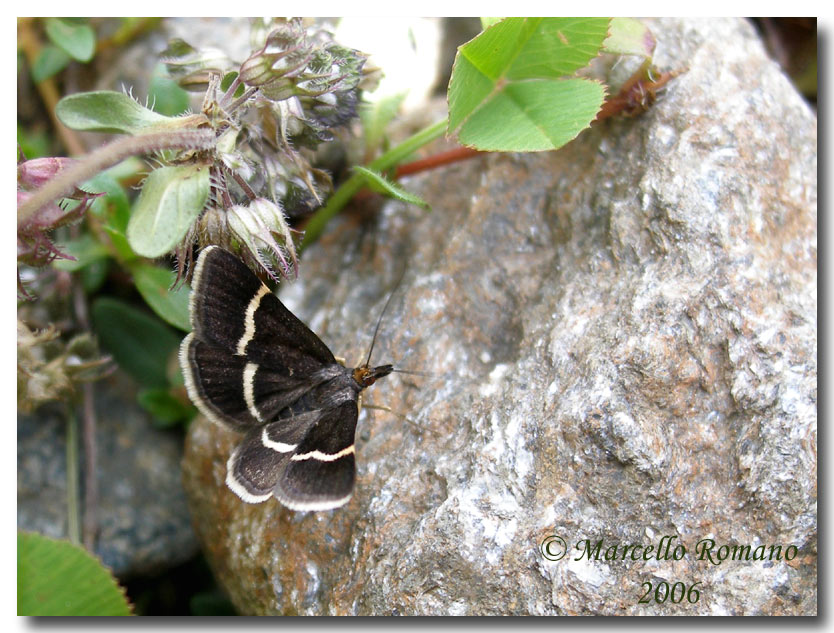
513,89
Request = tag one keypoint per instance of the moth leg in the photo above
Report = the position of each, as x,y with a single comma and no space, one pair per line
380,407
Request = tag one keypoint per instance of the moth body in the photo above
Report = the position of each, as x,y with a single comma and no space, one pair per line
252,366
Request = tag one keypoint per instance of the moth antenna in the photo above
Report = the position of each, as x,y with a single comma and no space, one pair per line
382,314
415,373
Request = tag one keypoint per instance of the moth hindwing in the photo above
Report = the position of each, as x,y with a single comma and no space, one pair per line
252,366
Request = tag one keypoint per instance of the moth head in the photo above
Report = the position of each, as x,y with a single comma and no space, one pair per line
366,376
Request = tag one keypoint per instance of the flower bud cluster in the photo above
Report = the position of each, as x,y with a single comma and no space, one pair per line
272,112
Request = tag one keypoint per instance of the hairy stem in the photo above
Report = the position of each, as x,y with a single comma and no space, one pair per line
241,99
109,155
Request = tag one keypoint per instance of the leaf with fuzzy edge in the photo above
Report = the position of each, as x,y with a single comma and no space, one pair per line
107,111
58,578
381,184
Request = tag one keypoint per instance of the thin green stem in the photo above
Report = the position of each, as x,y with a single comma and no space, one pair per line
73,494
353,184
90,469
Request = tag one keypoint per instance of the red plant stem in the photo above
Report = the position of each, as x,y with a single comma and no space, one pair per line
636,95
436,160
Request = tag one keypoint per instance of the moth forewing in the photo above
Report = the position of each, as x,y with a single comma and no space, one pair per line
252,366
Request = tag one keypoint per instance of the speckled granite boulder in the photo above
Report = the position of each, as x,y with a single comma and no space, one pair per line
624,341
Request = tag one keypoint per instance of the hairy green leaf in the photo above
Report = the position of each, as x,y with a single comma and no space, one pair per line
165,94
171,199
381,184
106,111
58,578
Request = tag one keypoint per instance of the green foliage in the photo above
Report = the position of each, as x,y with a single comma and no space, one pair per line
166,410
375,118
381,184
32,143
91,260
630,37
58,578
140,343
73,35
171,200
165,95
227,81
114,208
106,111
155,286
512,87
50,60
86,250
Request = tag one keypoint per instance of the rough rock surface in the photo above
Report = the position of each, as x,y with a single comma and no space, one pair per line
623,337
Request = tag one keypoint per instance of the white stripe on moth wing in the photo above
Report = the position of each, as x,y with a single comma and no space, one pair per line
196,283
281,447
191,384
310,506
236,487
249,390
324,457
249,320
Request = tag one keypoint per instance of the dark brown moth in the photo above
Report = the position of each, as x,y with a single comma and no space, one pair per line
252,366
